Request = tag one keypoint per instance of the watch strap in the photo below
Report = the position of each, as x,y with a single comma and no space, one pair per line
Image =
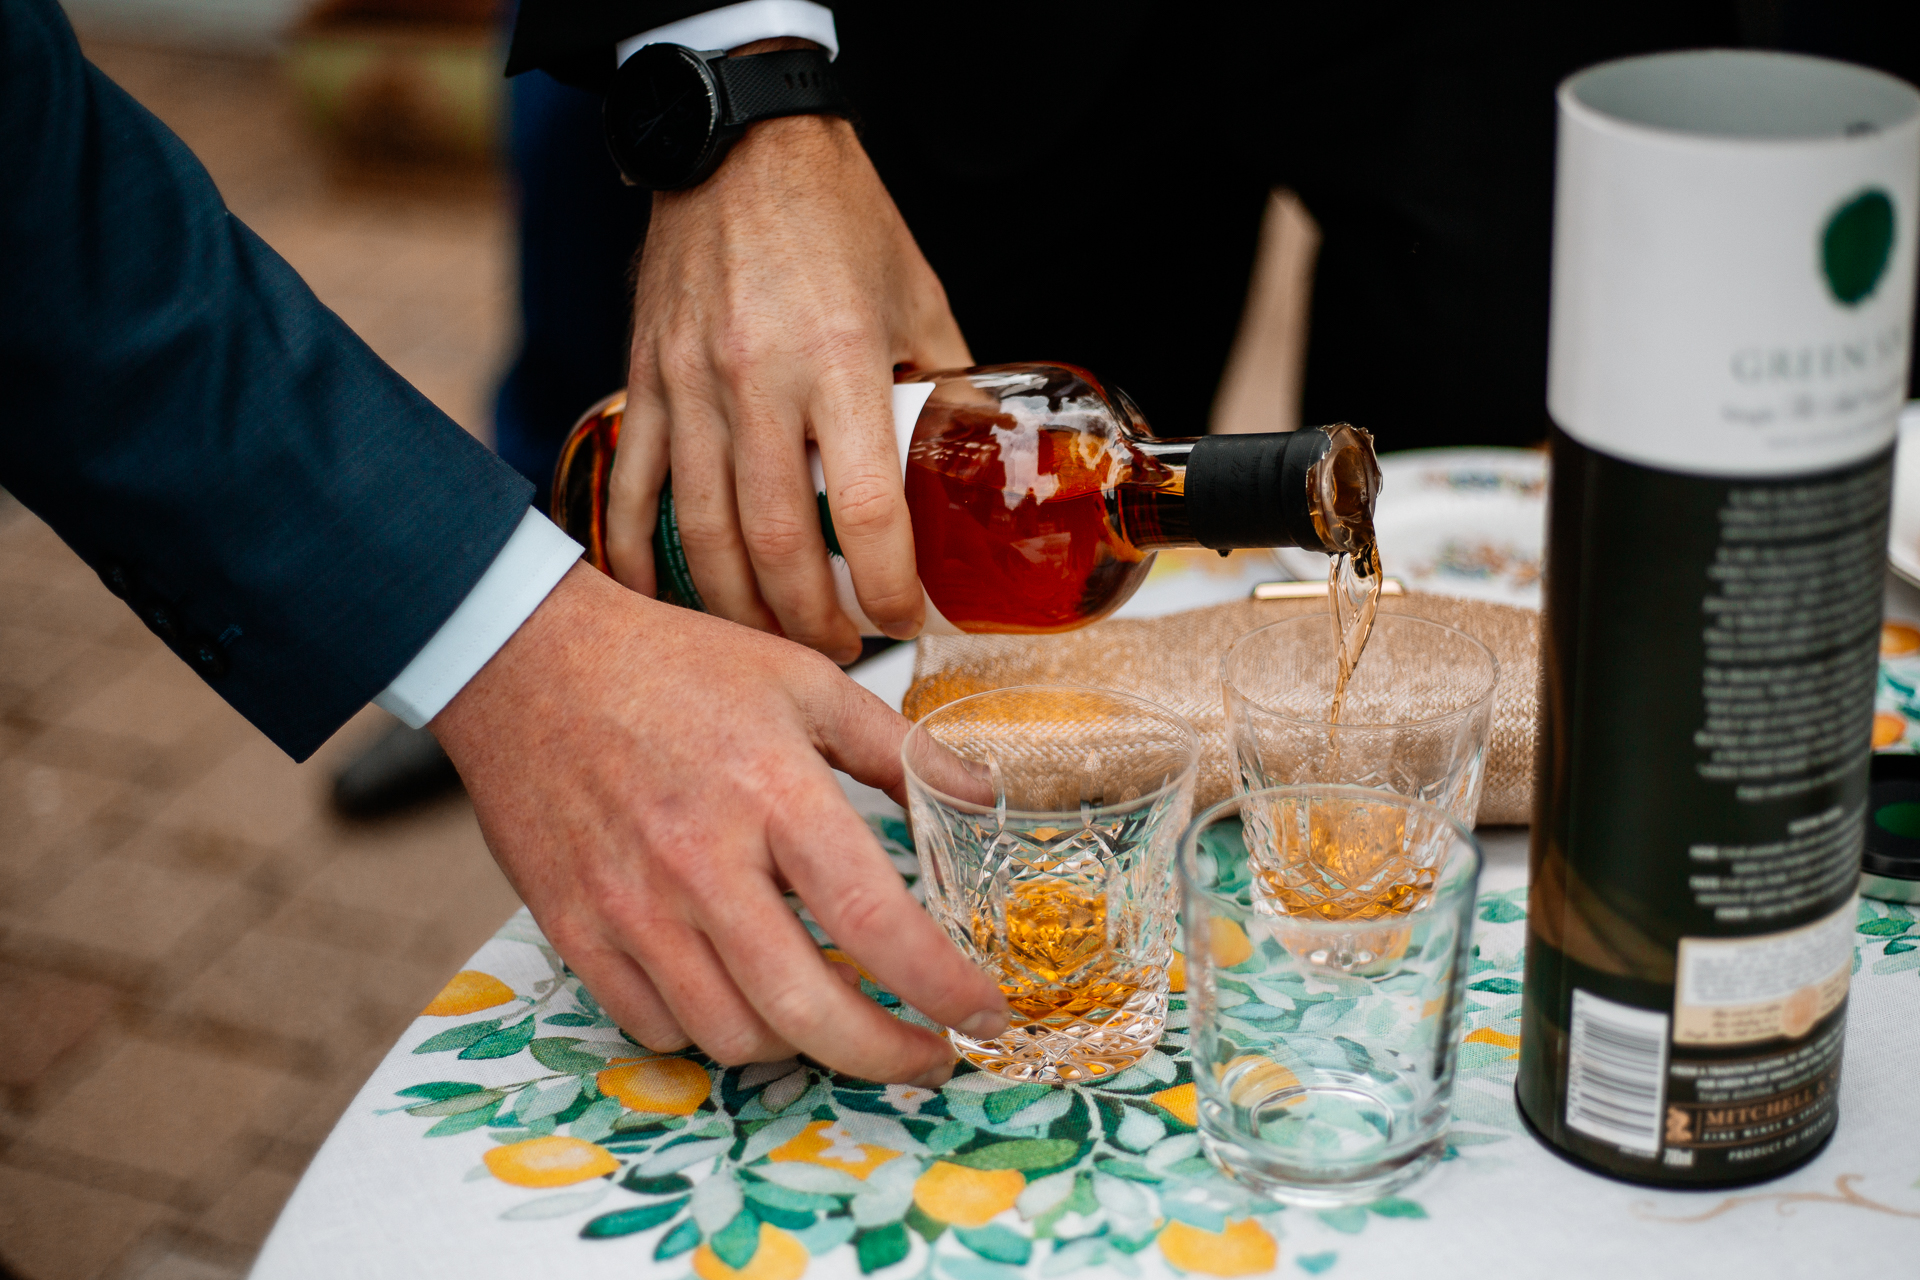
786,82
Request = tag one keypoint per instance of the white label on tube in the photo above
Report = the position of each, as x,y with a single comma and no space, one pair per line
1732,305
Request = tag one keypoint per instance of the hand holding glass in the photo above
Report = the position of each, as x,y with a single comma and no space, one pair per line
1046,820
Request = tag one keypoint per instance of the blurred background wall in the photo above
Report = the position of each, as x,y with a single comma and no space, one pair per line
240,26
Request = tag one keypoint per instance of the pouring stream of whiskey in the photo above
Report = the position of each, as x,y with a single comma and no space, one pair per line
1353,598
1347,480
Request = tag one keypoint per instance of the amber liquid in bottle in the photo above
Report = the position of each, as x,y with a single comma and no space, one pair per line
1039,497
1035,535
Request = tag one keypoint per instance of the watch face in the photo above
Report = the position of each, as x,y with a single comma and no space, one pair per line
663,117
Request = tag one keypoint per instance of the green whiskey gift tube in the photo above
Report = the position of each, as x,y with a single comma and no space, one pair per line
1733,285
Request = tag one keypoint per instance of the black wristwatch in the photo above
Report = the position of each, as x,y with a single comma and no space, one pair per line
673,111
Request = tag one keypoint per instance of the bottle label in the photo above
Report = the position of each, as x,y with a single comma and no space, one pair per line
1733,286
1741,1116
1731,991
1616,1073
1634,1087
909,398
1711,650
1735,306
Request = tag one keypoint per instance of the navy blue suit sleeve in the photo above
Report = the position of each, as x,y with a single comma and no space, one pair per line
273,500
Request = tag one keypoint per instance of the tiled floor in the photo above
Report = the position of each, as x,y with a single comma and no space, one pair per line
199,964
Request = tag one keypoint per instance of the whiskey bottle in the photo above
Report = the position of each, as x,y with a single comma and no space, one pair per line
1039,497
1733,279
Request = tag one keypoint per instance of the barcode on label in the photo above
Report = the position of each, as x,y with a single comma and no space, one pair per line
1616,1072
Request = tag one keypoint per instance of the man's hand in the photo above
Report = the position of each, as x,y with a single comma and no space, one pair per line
772,303
651,780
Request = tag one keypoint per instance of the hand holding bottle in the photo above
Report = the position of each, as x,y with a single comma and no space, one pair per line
1037,497
772,303
652,780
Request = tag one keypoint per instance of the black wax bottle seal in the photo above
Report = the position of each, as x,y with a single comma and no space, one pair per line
1891,864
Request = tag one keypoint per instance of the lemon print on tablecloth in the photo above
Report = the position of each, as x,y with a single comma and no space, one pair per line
1243,1249
1258,1079
551,1161
1182,1102
552,1112
1898,639
665,1086
1230,945
778,1257
1888,728
469,992
826,1144
967,1197
1487,1035
833,955
1177,974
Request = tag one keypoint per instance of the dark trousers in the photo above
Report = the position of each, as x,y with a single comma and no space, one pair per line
579,228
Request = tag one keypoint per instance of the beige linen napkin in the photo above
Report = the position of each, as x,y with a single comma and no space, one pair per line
1175,661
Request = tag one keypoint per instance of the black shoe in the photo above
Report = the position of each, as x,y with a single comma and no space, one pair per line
404,767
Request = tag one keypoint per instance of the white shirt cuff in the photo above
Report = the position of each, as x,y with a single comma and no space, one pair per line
733,25
532,563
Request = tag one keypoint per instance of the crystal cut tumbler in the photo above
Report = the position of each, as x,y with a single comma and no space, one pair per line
1416,720
1046,820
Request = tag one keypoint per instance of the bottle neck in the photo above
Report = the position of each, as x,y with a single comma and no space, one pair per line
1313,488
1149,507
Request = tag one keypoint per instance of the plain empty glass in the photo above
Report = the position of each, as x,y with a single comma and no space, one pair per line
1046,820
1416,720
1325,1019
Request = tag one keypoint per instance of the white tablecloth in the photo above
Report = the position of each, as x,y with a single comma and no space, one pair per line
613,1163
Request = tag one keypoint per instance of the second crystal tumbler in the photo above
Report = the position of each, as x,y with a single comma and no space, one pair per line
1046,820
1416,719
